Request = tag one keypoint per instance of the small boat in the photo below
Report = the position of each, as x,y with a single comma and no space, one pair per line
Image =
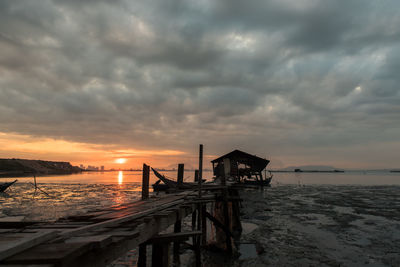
4,186
157,186
168,183
266,182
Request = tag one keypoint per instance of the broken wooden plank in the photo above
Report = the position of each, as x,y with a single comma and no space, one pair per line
11,248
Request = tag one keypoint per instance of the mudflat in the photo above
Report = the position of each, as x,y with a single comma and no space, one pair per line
322,225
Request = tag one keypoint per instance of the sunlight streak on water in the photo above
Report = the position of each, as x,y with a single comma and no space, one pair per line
120,177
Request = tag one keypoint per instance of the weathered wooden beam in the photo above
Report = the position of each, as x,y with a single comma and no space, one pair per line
177,229
200,181
100,241
60,254
219,224
173,237
160,257
142,256
204,225
145,181
181,169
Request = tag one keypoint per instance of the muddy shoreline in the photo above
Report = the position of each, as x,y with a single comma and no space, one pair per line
323,225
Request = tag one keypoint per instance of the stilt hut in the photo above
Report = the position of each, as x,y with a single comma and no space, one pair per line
238,165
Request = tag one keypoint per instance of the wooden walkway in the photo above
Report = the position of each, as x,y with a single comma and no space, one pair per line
99,237
96,238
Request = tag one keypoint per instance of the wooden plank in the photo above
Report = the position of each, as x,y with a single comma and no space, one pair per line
173,237
100,241
15,224
141,206
59,253
12,219
132,233
27,265
11,248
5,230
120,220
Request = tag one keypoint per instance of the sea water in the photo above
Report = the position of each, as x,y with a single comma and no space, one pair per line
64,195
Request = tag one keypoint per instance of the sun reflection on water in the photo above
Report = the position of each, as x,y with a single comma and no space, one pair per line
120,177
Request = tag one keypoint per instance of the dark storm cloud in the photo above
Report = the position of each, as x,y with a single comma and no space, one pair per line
262,75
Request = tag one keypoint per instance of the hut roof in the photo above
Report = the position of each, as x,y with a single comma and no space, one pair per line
254,162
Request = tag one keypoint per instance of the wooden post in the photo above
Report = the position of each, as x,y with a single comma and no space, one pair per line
181,169
145,181
222,174
142,256
196,175
204,225
225,209
200,181
194,227
177,229
200,168
160,257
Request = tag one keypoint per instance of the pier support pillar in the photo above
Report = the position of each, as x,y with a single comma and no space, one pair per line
160,257
145,181
181,168
142,256
177,229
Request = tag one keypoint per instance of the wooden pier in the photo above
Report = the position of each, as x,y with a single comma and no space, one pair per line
94,239
99,237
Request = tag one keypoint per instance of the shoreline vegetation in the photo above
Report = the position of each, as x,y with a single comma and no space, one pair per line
25,167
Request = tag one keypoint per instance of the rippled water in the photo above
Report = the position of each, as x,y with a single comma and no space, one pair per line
68,194
63,199
79,193
73,194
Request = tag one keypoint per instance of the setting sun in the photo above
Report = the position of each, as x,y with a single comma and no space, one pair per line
120,161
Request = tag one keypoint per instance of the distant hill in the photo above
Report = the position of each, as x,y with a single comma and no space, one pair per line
310,168
25,167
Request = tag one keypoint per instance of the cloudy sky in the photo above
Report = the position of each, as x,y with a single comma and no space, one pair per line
298,82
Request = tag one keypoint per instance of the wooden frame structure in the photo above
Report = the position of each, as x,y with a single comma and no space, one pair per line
239,165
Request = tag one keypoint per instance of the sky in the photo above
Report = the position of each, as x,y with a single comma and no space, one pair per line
297,82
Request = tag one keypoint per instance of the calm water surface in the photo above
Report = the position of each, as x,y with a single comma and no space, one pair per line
79,193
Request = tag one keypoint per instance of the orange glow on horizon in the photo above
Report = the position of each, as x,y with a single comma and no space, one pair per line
14,145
